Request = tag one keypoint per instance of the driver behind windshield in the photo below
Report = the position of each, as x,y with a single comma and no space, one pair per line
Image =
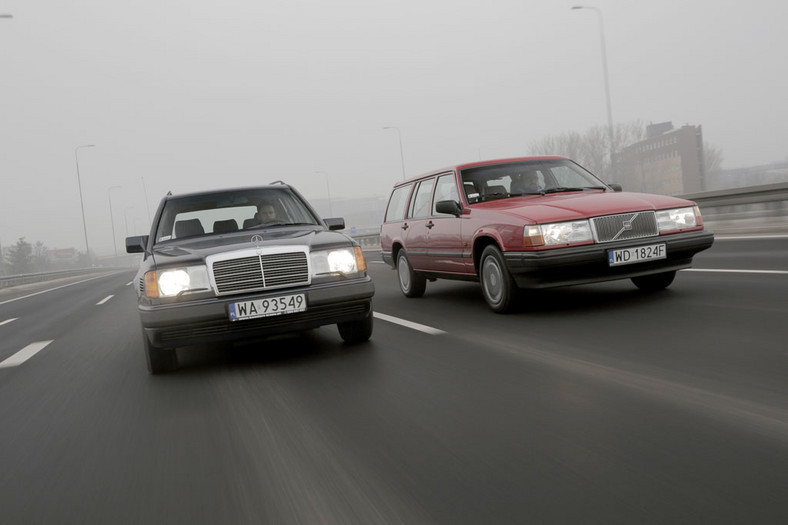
266,213
525,182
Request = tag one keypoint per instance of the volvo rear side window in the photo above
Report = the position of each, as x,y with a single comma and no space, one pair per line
397,204
420,206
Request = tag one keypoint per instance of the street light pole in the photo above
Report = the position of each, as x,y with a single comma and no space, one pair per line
4,15
126,218
81,201
112,219
401,156
607,82
145,191
328,192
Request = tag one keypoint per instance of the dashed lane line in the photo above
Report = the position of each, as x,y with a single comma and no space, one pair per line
50,290
8,321
107,298
408,324
24,354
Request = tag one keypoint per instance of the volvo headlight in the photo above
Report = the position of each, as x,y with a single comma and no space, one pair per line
679,219
171,282
339,261
557,233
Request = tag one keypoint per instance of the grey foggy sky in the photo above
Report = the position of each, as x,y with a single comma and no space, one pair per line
200,94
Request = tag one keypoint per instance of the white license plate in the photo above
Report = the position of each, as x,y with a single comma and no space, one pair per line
635,255
284,304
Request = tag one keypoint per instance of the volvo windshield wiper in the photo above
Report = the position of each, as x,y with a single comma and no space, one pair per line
564,189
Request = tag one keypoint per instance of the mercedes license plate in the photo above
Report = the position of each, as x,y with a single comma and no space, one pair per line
636,255
284,304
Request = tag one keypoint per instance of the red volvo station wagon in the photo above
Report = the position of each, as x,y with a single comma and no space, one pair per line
534,222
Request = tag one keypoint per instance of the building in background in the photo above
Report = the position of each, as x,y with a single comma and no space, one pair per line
669,161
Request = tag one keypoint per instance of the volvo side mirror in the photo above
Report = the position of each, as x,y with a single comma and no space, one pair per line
449,207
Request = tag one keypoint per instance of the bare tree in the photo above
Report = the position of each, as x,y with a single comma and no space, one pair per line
629,133
592,148
40,256
712,159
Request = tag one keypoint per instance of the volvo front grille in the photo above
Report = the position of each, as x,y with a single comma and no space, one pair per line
625,226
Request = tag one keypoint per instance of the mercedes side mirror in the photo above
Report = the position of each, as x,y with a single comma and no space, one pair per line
136,244
335,223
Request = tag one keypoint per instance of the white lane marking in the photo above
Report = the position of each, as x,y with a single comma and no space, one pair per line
775,272
8,321
747,237
107,298
409,324
376,262
129,283
24,354
50,290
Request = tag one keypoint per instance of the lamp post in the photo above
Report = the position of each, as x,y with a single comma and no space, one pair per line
145,191
81,201
401,156
328,192
126,218
112,219
607,82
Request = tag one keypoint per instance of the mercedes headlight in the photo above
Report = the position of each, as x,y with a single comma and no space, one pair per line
342,261
174,281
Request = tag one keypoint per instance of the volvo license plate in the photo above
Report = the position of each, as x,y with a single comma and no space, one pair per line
635,255
284,304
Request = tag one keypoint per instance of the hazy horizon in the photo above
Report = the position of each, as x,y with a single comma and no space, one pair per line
202,94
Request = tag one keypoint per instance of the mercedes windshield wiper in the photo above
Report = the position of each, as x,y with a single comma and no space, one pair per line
276,224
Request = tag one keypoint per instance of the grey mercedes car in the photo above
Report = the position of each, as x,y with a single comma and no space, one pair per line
245,263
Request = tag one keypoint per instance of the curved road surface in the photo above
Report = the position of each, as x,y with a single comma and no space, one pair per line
591,404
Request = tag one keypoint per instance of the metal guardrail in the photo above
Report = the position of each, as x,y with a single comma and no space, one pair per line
753,209
741,196
368,241
16,280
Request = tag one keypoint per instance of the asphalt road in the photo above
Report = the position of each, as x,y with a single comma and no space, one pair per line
591,404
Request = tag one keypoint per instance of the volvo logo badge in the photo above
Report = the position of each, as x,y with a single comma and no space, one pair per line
627,225
257,240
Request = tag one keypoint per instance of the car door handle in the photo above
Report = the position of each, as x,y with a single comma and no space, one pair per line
430,224
404,226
